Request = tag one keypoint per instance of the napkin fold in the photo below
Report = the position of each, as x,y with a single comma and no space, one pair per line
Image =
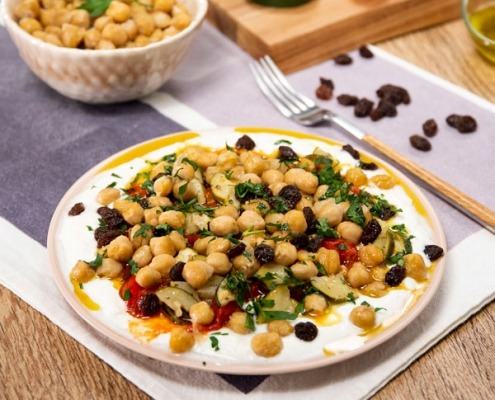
49,141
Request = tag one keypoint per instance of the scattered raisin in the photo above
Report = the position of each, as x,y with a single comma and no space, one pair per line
368,166
420,143
291,195
103,236
365,52
298,292
386,213
395,275
176,271
315,243
264,253
306,331
394,94
325,90
112,218
363,107
430,128
388,108
149,304
343,59
286,153
433,252
376,114
300,240
236,250
352,151
76,209
245,142
310,218
371,231
347,100
463,123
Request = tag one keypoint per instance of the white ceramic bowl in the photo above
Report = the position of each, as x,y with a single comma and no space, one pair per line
104,76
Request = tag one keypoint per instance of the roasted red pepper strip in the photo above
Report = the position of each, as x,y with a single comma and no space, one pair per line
347,250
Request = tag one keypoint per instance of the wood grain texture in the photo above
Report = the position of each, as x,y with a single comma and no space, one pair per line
302,36
39,361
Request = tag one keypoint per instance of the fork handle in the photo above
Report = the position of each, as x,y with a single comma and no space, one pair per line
462,202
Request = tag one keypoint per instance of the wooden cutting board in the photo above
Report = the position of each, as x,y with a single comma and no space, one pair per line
321,29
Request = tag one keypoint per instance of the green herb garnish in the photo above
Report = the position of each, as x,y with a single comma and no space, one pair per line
95,7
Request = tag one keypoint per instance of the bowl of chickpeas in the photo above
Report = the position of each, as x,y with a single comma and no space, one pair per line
103,51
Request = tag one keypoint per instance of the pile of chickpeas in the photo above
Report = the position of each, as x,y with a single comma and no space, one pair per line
124,24
252,224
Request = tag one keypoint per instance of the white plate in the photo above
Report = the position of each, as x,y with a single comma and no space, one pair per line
69,240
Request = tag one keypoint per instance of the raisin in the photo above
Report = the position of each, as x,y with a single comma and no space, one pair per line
298,292
433,252
245,142
363,107
365,52
386,214
395,275
306,331
236,250
347,100
368,166
376,114
352,151
103,236
315,243
300,240
463,123
264,253
176,271
394,94
388,108
420,143
343,59
310,218
430,128
144,203
371,231
291,195
76,209
149,304
286,153
112,218
325,90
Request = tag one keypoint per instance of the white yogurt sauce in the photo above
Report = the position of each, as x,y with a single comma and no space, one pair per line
76,242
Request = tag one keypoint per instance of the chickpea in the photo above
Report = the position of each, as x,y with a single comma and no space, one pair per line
229,210
178,240
375,289
267,344
253,239
285,253
197,273
30,25
282,327
370,255
227,160
163,186
131,30
415,267
250,177
250,219
218,245
350,231
51,38
162,245
159,201
139,235
131,211
181,21
253,164
148,277
276,187
184,171
142,256
356,176
120,249
145,23
330,260
237,323
220,263
181,341
176,219
358,275
304,270
163,5
107,195
109,268
271,176
27,9
162,263
151,216
101,22
201,313
296,221
223,225
383,181
272,221
303,180
81,18
363,317
246,262
82,272
304,202
315,304
330,211
259,206
201,245
115,34
320,192
379,273
200,156
210,173
118,11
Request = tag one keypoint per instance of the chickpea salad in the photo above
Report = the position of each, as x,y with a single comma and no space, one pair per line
240,247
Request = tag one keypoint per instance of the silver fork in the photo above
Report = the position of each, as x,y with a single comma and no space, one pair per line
306,112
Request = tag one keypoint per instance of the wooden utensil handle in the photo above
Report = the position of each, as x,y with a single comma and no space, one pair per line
464,203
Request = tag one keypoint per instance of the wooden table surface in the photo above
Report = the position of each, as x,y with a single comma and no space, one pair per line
38,360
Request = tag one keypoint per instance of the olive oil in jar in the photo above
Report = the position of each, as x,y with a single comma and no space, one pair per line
483,22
